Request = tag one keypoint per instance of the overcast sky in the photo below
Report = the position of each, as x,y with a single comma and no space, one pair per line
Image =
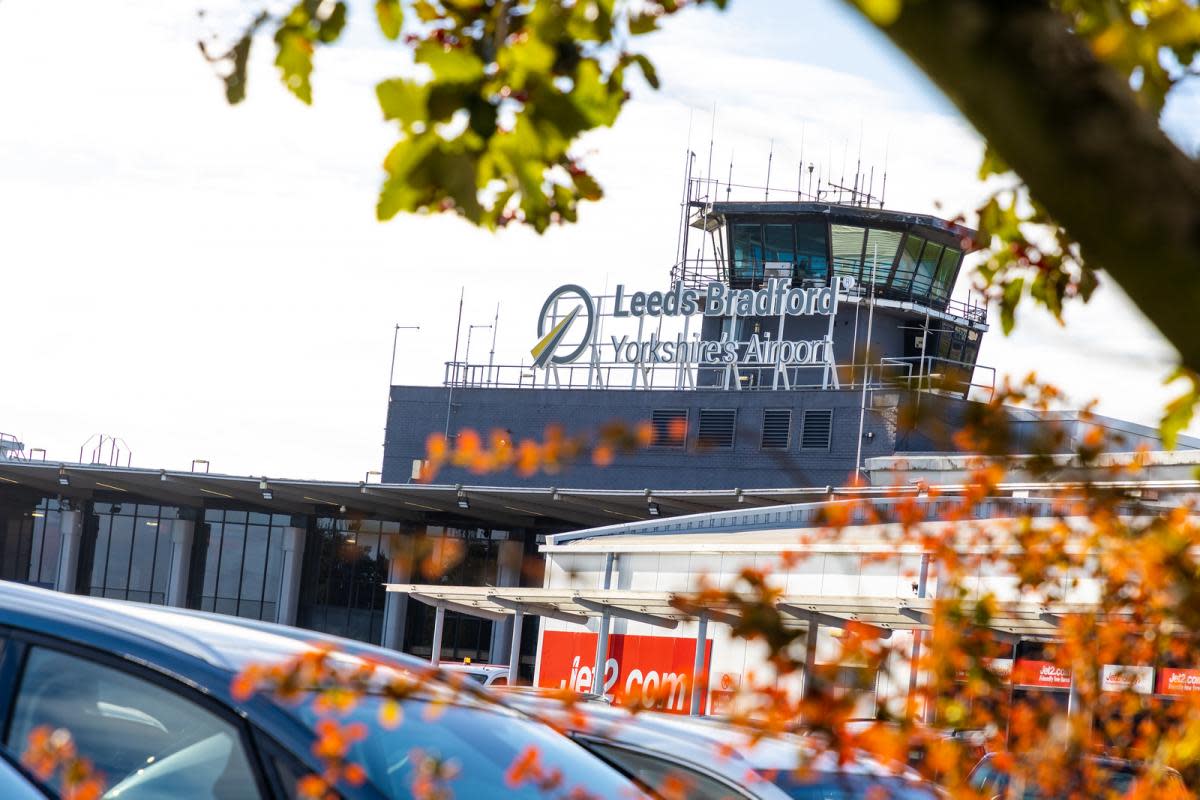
210,282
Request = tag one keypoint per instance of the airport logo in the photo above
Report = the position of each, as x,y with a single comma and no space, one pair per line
550,342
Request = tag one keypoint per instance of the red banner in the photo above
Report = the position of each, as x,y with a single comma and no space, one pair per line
1178,681
1045,674
655,671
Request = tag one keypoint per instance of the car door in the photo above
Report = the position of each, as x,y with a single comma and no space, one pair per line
150,738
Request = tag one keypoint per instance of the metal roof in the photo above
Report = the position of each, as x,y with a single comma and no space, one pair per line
668,609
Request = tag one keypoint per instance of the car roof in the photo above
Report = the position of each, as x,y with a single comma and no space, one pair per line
694,739
201,647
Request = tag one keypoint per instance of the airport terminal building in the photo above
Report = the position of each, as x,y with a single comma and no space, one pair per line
798,351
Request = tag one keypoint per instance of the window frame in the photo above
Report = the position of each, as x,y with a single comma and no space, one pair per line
13,666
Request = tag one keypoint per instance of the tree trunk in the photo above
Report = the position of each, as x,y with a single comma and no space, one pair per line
1074,131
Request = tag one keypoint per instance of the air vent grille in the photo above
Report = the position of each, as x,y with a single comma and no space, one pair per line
817,430
670,427
777,428
716,429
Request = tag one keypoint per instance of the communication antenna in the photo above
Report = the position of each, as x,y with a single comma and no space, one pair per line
729,184
810,172
800,169
712,132
770,155
492,352
887,143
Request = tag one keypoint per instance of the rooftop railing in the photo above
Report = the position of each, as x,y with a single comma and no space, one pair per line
928,374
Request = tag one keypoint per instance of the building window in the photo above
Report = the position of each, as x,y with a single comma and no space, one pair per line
131,559
30,539
777,428
880,255
747,252
943,282
812,248
816,430
669,427
242,558
345,569
474,560
716,429
847,245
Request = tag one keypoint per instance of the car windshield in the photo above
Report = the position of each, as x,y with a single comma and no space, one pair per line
483,744
849,786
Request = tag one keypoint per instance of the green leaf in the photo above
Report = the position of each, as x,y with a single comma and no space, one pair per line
294,60
1008,304
391,17
402,100
642,23
450,64
330,28
881,12
648,70
1179,412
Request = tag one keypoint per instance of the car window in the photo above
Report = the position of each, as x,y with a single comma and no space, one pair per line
850,786
483,745
660,774
149,743
15,786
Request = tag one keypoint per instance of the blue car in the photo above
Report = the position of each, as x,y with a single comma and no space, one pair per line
146,693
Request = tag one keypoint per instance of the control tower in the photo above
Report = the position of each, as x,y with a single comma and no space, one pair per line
780,348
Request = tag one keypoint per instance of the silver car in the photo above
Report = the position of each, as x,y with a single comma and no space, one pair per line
709,760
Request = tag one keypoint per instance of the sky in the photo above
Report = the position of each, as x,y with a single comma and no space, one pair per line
209,282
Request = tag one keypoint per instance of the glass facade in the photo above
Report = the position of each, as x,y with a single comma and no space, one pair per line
237,563
802,246
463,636
30,541
902,265
131,559
345,567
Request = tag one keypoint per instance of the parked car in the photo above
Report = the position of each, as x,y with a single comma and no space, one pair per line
1117,776
146,693
485,674
718,761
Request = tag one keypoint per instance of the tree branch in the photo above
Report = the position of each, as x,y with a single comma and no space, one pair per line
1074,131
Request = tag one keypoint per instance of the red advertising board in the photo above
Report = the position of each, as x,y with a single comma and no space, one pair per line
655,671
1178,681
1044,674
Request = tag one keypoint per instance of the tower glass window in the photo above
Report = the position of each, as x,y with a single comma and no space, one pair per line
812,260
747,252
779,245
943,280
926,269
847,241
880,255
907,266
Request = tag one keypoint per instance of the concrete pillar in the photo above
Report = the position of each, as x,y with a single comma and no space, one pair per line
699,675
289,581
183,534
439,624
514,659
395,609
808,673
71,529
508,573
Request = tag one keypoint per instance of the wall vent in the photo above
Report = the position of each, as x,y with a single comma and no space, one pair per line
670,427
817,429
716,428
777,428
